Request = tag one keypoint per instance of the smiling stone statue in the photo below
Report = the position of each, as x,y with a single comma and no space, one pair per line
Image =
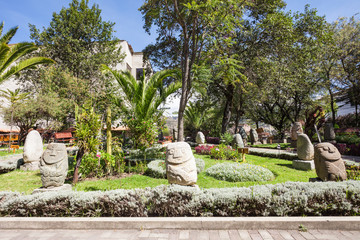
54,165
180,164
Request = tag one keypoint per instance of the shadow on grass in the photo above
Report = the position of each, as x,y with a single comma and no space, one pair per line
92,188
286,165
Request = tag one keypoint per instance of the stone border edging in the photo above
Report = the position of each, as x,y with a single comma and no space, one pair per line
202,223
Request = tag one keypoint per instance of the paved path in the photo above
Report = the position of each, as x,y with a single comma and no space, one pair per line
178,234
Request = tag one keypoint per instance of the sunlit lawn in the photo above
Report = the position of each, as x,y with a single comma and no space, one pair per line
28,181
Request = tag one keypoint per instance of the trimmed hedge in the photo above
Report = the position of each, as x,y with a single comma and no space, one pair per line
239,172
282,155
286,199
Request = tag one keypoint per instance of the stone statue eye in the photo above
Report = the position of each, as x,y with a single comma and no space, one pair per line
172,151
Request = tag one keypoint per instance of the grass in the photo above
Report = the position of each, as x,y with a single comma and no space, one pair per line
4,152
28,181
272,146
20,181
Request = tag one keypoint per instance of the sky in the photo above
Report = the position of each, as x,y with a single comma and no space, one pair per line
129,21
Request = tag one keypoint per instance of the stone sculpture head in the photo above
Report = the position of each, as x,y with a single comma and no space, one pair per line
54,165
328,163
327,151
180,164
179,153
54,153
295,130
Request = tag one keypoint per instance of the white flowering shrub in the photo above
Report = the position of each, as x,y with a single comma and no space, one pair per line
284,199
282,155
239,172
157,169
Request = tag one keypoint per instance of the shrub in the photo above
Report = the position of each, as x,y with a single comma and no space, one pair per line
143,132
352,170
236,172
348,139
348,149
203,149
155,152
285,199
282,155
225,153
157,168
213,140
227,138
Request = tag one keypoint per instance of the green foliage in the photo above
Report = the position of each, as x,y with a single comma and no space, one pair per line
143,132
227,138
225,152
236,172
349,139
139,101
11,56
79,40
87,128
281,155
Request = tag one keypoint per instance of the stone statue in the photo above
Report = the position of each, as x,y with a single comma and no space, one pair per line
328,163
180,164
243,134
254,138
305,149
329,133
295,130
33,149
200,138
54,165
237,141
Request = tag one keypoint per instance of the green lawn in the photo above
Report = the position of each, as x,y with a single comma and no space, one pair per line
27,181
6,153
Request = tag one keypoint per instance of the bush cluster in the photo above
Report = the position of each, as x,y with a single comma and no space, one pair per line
348,149
282,155
285,199
225,152
157,168
213,140
203,149
239,172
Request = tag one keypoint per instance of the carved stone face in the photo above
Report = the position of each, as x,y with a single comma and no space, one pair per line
54,153
54,165
328,151
328,163
180,164
295,130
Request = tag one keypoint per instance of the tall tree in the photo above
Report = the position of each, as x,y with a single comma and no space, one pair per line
80,41
185,28
11,61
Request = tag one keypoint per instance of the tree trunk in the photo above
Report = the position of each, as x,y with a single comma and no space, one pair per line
108,131
79,157
332,105
183,99
226,116
11,124
229,94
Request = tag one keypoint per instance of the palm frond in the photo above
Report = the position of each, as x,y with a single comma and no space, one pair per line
7,36
28,63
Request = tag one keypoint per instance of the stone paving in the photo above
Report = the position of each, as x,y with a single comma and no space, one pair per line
178,234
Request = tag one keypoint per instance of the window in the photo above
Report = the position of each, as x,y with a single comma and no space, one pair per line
139,73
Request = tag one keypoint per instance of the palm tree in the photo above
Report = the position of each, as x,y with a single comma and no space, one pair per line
141,99
10,62
13,97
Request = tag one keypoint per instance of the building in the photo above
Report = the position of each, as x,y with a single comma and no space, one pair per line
132,62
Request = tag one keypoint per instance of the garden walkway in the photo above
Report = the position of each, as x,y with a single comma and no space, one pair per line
179,234
344,157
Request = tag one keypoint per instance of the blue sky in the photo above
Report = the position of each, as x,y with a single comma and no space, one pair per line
129,23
